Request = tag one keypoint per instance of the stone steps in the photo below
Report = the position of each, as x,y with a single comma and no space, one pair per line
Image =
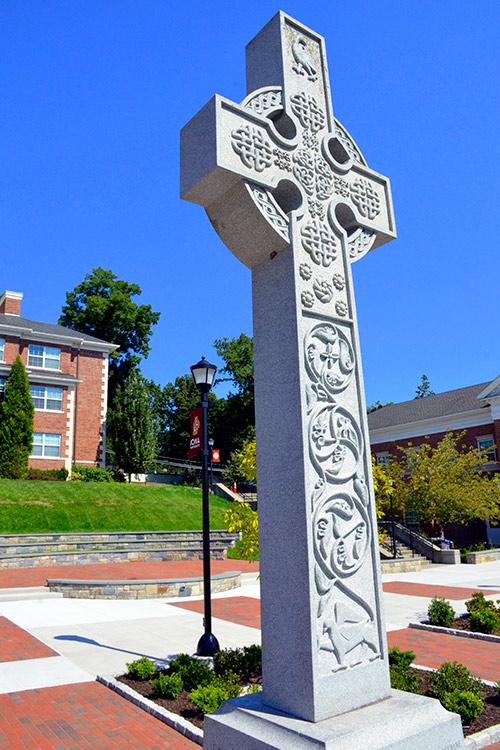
40,550
25,594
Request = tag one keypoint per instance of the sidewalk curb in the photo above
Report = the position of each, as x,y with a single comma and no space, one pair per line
455,631
175,721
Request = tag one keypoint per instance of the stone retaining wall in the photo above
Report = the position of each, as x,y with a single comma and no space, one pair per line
142,589
403,565
483,556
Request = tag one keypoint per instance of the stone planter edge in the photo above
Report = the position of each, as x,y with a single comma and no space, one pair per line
455,631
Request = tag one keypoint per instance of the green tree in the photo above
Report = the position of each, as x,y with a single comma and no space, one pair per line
16,424
103,305
131,427
424,388
445,484
242,463
377,405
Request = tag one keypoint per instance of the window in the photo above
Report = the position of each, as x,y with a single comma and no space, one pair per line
47,398
46,445
2,350
487,443
48,357
2,389
382,459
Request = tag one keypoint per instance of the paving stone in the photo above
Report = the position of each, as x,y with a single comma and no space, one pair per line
428,590
17,645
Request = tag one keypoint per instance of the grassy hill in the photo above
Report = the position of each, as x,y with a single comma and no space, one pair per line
40,506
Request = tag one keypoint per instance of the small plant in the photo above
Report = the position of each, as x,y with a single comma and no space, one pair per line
441,613
209,698
141,669
54,475
245,662
168,686
467,704
90,474
452,677
484,614
401,659
253,655
192,671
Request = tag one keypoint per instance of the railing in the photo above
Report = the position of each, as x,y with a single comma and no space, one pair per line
391,544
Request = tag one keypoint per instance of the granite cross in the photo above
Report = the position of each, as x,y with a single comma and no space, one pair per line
289,192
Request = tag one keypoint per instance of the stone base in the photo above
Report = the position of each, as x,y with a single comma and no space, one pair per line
402,722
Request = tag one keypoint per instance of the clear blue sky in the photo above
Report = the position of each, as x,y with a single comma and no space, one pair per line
93,94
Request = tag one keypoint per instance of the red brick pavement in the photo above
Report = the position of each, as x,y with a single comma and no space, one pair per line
21,577
86,716
243,610
432,649
428,590
17,645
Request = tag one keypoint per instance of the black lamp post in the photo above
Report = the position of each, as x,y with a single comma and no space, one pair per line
393,529
211,446
203,375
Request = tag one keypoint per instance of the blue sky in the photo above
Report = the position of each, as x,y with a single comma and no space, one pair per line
94,93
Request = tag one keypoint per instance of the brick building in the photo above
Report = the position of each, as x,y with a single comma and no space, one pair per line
475,409
68,375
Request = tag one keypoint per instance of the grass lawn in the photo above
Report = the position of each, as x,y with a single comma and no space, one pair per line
31,506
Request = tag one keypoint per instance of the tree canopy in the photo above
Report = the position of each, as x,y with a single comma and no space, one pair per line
103,305
424,388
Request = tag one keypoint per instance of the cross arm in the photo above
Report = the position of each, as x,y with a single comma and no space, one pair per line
224,144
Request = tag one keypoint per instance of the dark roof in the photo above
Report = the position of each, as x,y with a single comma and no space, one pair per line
53,328
439,405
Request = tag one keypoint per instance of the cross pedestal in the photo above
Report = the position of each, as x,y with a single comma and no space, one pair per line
289,192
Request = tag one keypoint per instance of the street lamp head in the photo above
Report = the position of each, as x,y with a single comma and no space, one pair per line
210,442
203,375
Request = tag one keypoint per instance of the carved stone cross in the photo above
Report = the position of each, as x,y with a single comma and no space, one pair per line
289,192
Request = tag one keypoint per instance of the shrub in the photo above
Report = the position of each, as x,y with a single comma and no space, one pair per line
168,686
56,475
467,704
90,474
245,662
403,678
484,614
192,671
141,669
401,659
441,613
208,698
452,677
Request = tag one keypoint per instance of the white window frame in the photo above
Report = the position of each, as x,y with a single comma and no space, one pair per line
46,357
45,398
490,449
382,458
45,442
2,349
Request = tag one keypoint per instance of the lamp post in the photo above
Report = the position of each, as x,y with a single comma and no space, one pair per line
203,375
211,446
394,546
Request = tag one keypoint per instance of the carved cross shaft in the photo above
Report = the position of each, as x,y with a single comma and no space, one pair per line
290,194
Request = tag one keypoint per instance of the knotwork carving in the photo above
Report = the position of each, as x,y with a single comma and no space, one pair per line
304,63
365,198
308,111
335,443
265,101
319,242
360,242
282,160
252,147
348,143
270,210
341,187
329,360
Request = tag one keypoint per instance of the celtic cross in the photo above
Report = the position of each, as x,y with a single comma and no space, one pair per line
289,192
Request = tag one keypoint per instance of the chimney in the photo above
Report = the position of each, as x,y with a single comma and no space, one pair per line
10,303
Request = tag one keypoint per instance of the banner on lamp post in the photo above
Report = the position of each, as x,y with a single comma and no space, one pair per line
195,433
216,456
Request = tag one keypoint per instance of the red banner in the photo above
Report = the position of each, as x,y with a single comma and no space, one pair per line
216,456
195,433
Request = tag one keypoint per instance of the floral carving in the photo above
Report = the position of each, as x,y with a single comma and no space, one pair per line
308,111
365,198
335,443
305,271
307,298
323,290
338,281
252,147
329,359
341,308
319,242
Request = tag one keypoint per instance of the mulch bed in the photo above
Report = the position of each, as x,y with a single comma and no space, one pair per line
491,711
463,623
183,706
